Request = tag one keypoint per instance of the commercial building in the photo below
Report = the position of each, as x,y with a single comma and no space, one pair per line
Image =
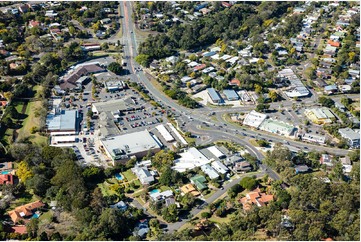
209,171
313,138
165,133
319,115
219,167
122,147
69,82
213,94
114,86
296,88
351,136
62,122
277,127
216,152
254,119
231,95
117,105
190,159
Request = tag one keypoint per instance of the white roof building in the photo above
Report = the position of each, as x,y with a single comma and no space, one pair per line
219,167
209,171
216,152
165,133
254,119
190,159
157,196
144,175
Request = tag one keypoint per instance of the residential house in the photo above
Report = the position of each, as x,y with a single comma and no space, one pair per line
141,229
6,179
255,197
330,89
326,159
231,160
159,196
189,188
242,167
144,175
199,182
33,23
302,169
24,211
345,160
105,21
120,205
340,107
330,50
334,43
234,82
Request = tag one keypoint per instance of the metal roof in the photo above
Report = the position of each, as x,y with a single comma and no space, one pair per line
230,94
213,94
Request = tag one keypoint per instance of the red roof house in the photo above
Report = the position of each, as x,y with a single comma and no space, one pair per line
6,179
226,5
255,197
334,43
26,210
235,82
199,67
33,23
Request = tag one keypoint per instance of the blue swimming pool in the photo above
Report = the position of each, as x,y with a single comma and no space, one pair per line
5,172
35,215
154,191
118,177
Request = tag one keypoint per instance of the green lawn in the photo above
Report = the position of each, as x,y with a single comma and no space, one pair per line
164,188
19,106
104,187
129,175
46,216
30,122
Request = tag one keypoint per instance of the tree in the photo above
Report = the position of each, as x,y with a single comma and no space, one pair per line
249,183
24,172
143,60
326,102
261,107
39,184
115,67
11,110
273,95
9,96
163,159
234,190
170,213
205,215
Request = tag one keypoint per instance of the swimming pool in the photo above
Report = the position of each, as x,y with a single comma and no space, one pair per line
154,191
118,177
35,215
5,172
